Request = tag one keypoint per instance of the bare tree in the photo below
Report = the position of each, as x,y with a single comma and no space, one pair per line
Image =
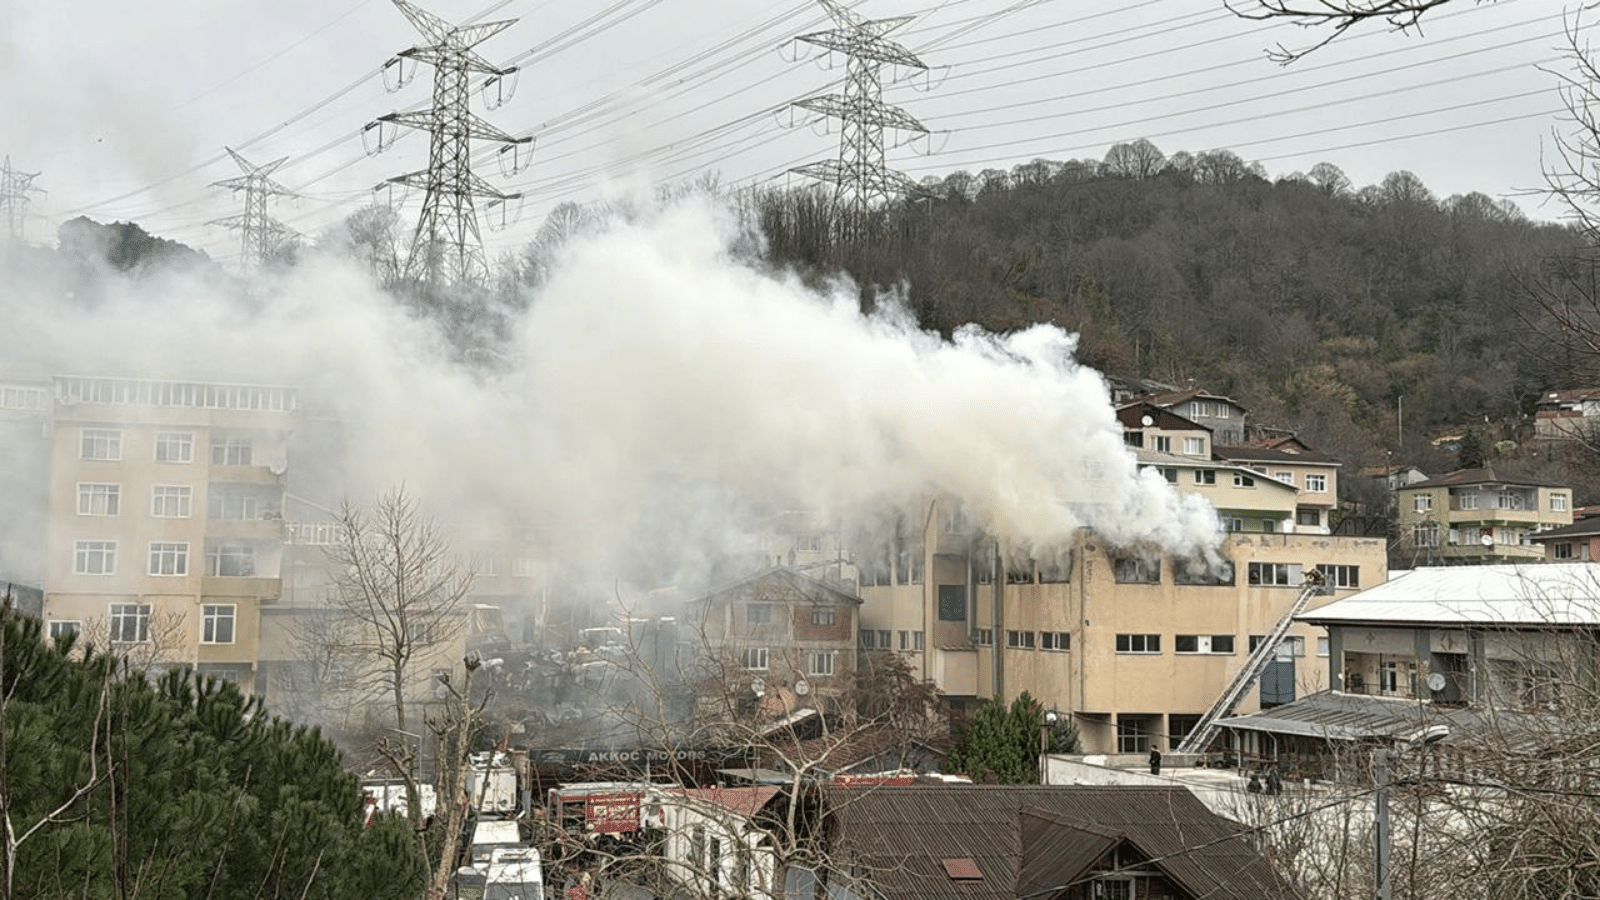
1337,16
396,618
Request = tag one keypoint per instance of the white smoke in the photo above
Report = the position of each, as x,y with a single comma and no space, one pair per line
662,391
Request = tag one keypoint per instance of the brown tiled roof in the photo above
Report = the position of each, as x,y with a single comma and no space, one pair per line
1026,839
1259,453
1485,475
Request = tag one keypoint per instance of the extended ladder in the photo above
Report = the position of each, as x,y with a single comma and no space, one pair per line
1200,736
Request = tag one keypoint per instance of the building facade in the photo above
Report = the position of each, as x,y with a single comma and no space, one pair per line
1479,516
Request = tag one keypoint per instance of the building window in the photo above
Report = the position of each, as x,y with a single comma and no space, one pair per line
1425,535
1055,640
883,639
819,663
94,557
1205,476
1138,643
1341,576
1240,479
952,603
174,446
1169,473
130,623
917,641
1114,888
1558,502
100,443
230,450
868,638
1133,735
1193,446
1161,443
1232,523
1285,477
1019,640
822,615
99,499
1422,503
231,560
216,623
1291,646
808,543
758,613
755,659
1322,646
170,501
1202,643
984,637
230,502
61,628
905,640
1194,571
1563,550
1274,574
1317,484
169,558
1309,516
1468,501
1137,570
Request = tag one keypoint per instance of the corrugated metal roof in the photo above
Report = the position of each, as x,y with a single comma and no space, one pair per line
1535,594
1332,715
1046,836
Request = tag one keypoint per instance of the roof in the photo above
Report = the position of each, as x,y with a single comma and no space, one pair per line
1576,395
1258,453
746,801
1485,475
1528,595
806,585
1173,398
1333,715
1132,415
1029,840
1587,527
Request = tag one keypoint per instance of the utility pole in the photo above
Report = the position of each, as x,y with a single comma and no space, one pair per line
15,187
447,246
259,233
861,178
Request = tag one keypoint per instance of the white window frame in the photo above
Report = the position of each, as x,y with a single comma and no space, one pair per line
983,637
174,447
1273,574
1161,443
1019,640
819,664
232,450
1285,477
104,444
1469,500
94,558
1058,641
885,639
1316,483
129,618
233,553
1203,644
1194,446
1206,477
232,503
171,501
1241,480
169,558
1558,502
822,615
213,617
1139,644
99,498
755,659
1322,646
1422,503
60,627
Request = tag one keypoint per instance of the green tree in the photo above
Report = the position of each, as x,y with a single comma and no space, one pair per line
113,785
1470,455
1002,742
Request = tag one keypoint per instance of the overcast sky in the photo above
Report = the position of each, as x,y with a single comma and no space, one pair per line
124,108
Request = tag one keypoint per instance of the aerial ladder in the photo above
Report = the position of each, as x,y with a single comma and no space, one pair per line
1205,730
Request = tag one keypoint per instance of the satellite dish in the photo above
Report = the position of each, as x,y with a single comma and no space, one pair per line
1147,421
1486,539
1436,681
802,687
278,466
758,687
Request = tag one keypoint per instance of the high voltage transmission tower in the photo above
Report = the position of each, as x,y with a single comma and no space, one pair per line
447,246
862,180
259,233
14,190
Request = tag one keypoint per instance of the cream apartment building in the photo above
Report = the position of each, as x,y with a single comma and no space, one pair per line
1479,516
164,526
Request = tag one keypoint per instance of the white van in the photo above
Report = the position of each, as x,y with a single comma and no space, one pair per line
514,873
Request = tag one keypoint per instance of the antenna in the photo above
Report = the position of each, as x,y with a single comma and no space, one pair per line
447,245
860,177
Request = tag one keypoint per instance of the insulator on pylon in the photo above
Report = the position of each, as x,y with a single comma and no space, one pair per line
376,137
498,89
502,213
395,76
518,157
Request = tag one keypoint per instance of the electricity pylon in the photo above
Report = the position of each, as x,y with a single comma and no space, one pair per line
14,190
447,245
861,178
259,233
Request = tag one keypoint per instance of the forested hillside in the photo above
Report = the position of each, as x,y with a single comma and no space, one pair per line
1317,305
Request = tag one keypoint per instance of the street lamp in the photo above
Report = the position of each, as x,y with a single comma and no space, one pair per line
1382,840
1046,725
